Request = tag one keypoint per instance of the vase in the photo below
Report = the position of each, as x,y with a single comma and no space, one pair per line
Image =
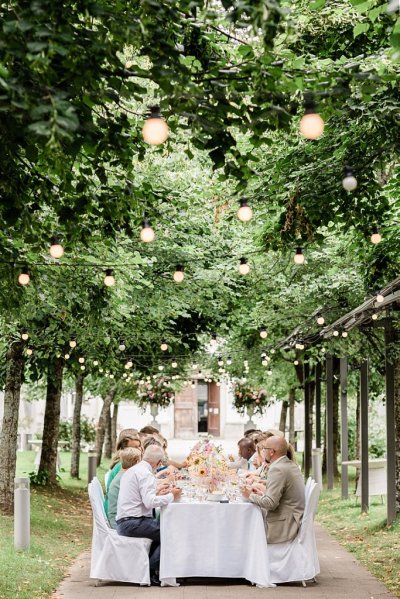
154,413
249,424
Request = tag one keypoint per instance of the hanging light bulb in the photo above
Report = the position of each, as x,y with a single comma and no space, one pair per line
311,123
229,361
129,364
296,362
345,334
218,383
298,258
163,346
109,280
66,356
380,298
101,369
320,320
265,362
335,333
272,351
174,364
349,181
29,351
269,372
193,384
81,360
121,346
244,268
95,362
245,213
83,367
263,333
24,336
111,376
56,250
124,375
376,237
220,370
24,277
194,366
220,361
213,340
146,234
161,367
374,316
179,274
155,130
72,342
323,350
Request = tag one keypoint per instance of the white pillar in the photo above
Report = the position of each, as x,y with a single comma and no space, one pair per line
22,523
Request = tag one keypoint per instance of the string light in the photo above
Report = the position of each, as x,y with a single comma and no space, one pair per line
163,346
311,123
24,336
161,367
81,360
29,351
174,364
146,234
218,383
229,361
244,268
193,384
129,364
344,334
298,258
265,362
374,316
95,362
194,366
72,342
66,356
380,298
376,237
263,334
56,250
155,130
245,213
121,346
84,368
109,280
179,274
220,361
269,372
296,362
213,340
335,333
349,181
320,320
24,278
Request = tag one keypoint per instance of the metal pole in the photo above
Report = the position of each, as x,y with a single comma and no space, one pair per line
317,466
22,519
318,374
364,435
307,421
329,421
344,436
390,426
92,467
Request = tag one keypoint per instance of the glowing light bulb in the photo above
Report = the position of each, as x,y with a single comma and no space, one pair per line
194,366
163,346
174,364
220,361
129,364
298,258
311,124
147,234
24,336
109,280
335,333
320,320
161,367
193,385
376,237
269,372
263,334
111,376
95,362
29,351
323,350
265,362
296,362
24,278
72,343
349,181
380,298
122,346
83,367
244,268
245,213
229,361
81,360
213,340
272,351
56,250
218,383
374,316
66,356
101,369
155,130
344,334
179,274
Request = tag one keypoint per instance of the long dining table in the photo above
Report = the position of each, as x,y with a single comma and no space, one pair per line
212,539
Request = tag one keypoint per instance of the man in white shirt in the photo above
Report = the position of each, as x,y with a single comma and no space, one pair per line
137,500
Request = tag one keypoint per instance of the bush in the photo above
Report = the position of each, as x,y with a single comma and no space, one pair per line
88,431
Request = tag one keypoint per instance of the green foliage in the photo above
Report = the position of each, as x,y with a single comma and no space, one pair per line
244,397
88,431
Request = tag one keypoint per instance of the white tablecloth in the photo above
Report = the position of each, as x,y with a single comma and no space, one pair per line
225,540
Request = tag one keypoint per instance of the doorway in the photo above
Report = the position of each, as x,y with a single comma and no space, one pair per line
202,407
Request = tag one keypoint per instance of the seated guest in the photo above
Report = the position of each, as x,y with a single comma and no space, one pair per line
149,430
247,449
136,501
127,438
129,457
283,496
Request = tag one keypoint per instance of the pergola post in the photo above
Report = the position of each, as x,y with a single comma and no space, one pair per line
364,435
307,421
390,426
344,431
318,374
329,421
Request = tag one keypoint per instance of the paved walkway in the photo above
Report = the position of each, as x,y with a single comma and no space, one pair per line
341,578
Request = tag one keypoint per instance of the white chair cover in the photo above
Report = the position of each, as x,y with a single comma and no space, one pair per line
114,557
107,474
297,560
308,487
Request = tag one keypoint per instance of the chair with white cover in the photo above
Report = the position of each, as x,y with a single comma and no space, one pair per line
297,560
114,557
308,486
106,476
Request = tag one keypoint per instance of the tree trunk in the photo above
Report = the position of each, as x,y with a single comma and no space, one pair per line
48,459
397,424
100,431
8,435
336,422
284,410
292,401
114,428
107,436
76,426
358,434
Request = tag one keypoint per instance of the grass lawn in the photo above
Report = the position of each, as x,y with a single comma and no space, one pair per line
364,535
61,526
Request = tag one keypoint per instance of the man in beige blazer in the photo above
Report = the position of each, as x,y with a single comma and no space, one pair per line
283,497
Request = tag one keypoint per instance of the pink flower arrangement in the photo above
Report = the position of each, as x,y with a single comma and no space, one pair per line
244,397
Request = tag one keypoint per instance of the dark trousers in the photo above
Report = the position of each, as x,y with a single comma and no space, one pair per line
144,528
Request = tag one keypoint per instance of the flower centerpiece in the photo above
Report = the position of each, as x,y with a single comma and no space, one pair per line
154,393
244,398
208,465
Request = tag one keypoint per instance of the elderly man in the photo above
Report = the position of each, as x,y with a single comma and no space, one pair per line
283,496
137,500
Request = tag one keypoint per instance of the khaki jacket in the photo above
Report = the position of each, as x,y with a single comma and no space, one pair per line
283,502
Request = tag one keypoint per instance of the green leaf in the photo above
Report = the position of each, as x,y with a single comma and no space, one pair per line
317,4
360,28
